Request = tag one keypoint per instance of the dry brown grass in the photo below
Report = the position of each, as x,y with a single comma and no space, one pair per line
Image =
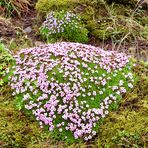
14,7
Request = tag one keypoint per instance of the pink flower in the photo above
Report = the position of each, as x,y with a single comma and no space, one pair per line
94,93
64,80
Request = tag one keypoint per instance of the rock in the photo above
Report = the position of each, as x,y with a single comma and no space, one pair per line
28,29
38,43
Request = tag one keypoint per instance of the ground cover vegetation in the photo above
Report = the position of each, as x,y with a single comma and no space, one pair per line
65,25
5,59
17,129
104,21
68,88
73,90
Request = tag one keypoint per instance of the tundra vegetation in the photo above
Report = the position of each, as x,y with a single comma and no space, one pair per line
73,73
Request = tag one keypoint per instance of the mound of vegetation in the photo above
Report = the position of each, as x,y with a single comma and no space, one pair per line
73,94
125,127
45,6
70,87
64,25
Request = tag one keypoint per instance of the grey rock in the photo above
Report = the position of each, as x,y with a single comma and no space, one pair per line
38,43
28,29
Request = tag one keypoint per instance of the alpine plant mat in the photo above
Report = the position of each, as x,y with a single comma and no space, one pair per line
70,87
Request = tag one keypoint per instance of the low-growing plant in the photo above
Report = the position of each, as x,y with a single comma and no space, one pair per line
63,25
127,139
6,60
69,88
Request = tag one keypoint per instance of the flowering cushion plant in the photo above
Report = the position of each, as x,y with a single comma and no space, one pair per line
65,25
70,87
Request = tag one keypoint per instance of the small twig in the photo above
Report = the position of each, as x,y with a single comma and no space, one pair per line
139,3
126,140
122,40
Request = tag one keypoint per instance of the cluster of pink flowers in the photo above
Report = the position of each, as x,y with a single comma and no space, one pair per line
62,80
56,24
65,25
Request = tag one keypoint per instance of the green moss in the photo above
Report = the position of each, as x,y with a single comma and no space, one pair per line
144,33
44,6
16,130
144,20
89,13
102,34
6,60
